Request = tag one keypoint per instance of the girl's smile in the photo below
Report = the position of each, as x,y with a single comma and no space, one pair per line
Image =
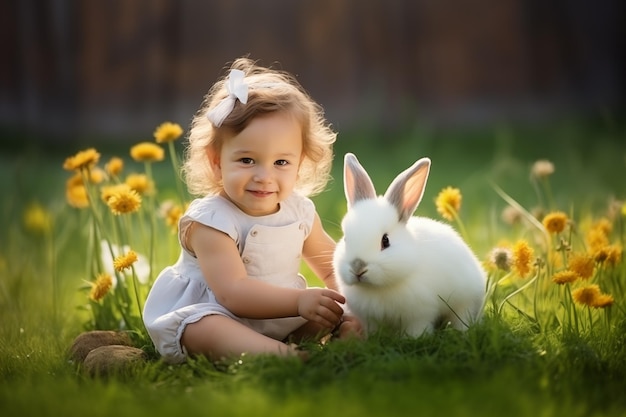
261,193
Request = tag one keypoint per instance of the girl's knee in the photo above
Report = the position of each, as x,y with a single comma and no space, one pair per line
196,335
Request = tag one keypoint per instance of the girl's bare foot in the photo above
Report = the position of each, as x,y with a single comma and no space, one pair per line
350,327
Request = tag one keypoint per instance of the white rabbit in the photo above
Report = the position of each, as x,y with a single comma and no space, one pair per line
398,271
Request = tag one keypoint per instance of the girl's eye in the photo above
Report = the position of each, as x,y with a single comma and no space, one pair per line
384,242
282,162
247,161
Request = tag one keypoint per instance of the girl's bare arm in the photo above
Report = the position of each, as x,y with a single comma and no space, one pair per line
318,253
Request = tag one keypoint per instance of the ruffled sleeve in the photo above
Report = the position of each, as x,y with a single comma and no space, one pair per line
209,211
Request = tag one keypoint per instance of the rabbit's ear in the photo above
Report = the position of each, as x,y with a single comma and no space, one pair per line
407,189
357,185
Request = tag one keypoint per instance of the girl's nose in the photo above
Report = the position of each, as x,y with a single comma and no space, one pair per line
262,174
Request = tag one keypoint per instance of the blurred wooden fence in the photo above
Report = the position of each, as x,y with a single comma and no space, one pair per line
122,66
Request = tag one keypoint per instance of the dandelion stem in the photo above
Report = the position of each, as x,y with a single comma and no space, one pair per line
572,309
151,214
548,192
492,287
607,317
458,221
136,288
536,297
176,168
538,192
98,224
519,290
121,282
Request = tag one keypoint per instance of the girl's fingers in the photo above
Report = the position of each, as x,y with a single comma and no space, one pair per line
335,296
332,305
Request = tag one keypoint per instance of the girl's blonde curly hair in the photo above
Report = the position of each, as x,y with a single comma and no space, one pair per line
269,91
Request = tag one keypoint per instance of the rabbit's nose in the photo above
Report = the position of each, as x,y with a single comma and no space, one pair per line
358,269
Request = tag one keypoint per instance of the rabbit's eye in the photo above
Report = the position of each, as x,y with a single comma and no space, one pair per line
384,242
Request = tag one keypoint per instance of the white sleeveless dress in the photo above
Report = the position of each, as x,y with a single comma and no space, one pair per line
270,248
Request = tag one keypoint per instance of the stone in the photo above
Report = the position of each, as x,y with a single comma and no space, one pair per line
88,341
110,359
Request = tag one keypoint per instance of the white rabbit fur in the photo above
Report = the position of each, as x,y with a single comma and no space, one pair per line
425,277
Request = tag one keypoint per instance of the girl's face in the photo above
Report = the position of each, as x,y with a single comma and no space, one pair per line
259,166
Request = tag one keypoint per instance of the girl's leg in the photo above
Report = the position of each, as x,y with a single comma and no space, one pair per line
219,337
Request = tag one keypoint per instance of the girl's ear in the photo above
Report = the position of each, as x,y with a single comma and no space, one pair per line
215,162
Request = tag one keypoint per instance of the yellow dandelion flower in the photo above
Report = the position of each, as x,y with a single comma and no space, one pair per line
124,201
522,258
108,190
147,152
596,239
582,264
101,287
624,209
172,213
502,258
173,216
114,166
592,296
74,180
76,196
448,202
37,219
600,255
564,277
603,225
603,301
123,262
167,132
542,169
555,222
609,255
140,183
96,175
614,255
83,159
586,295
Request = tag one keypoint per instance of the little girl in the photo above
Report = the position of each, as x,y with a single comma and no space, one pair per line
258,146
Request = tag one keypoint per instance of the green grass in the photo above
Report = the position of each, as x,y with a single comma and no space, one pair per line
509,364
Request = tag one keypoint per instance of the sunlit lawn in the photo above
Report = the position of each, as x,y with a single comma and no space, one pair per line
536,353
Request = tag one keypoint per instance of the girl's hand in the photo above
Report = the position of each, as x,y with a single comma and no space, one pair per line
320,305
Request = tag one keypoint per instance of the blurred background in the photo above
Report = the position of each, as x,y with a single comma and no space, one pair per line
74,72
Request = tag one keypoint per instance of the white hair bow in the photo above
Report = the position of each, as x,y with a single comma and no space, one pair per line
237,89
